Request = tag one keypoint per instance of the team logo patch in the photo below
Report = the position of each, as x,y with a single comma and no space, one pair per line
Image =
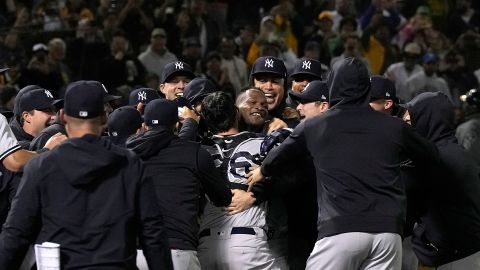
178,65
269,63
306,64
83,113
142,95
48,94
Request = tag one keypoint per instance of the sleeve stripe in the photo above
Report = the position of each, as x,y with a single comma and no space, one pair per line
9,151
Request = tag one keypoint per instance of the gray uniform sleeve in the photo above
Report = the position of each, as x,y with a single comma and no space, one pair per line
8,142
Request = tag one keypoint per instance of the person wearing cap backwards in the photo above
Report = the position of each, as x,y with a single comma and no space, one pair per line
402,71
175,77
447,234
87,195
383,96
360,194
269,75
427,81
178,169
156,56
304,72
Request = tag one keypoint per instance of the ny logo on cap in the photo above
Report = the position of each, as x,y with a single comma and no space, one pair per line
306,64
387,94
178,65
142,95
48,94
324,97
269,63
83,113
306,86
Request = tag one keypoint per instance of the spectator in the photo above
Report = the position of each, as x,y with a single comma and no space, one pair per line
157,55
235,66
427,80
203,27
463,18
402,71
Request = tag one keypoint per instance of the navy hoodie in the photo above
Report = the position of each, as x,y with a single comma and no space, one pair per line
181,172
449,229
356,152
90,197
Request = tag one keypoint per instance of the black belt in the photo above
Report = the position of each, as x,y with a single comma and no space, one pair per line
238,186
235,230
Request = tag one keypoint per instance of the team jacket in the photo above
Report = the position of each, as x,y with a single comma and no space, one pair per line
91,198
449,228
181,172
356,153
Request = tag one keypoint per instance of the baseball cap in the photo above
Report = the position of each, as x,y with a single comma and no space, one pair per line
424,10
198,88
124,121
270,65
429,58
314,91
38,99
382,88
40,47
84,99
3,69
106,96
175,69
158,32
144,95
23,91
161,113
309,67
325,15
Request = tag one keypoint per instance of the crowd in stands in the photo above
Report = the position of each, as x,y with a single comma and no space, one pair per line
126,43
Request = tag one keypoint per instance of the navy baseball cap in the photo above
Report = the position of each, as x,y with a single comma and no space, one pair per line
106,96
37,99
198,88
307,68
124,121
429,58
382,88
269,65
144,95
177,68
314,91
23,91
161,113
84,99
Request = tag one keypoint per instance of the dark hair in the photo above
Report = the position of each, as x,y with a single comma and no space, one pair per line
219,112
348,20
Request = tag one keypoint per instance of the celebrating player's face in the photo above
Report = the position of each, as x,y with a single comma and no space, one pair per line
173,88
272,86
254,108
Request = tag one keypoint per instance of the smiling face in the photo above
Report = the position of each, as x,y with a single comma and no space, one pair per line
253,108
174,86
273,88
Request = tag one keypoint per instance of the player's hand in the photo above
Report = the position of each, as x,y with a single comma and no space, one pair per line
189,113
241,201
55,140
275,124
253,177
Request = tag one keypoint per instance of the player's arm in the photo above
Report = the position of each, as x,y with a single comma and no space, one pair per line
215,186
290,149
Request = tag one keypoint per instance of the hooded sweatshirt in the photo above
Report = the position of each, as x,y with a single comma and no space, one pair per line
181,172
90,197
449,229
356,153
